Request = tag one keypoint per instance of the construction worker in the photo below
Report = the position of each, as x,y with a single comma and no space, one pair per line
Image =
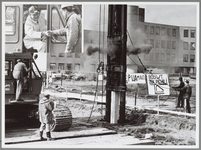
187,91
72,29
180,102
19,72
35,34
46,106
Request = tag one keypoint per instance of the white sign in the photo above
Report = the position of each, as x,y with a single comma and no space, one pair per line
158,84
135,78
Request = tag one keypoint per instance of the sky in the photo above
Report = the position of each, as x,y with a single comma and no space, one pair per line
179,14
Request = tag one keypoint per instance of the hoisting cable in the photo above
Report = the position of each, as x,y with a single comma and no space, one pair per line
98,69
136,54
103,62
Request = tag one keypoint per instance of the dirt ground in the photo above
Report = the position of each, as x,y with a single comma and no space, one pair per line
164,129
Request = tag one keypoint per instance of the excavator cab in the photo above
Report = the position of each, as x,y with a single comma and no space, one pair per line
33,79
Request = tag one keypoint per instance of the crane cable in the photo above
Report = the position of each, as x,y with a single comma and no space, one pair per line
136,54
98,69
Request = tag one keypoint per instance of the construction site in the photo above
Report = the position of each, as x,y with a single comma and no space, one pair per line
124,101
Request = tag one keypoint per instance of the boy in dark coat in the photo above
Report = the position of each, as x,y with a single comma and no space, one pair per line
46,106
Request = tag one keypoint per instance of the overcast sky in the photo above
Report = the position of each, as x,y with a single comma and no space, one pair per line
182,14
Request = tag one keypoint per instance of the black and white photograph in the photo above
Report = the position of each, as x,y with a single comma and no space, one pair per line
100,74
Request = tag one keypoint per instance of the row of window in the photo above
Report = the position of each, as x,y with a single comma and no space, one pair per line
192,33
69,66
161,44
160,30
168,57
68,55
171,44
167,31
186,45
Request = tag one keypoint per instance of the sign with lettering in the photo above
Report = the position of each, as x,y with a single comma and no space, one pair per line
135,78
158,84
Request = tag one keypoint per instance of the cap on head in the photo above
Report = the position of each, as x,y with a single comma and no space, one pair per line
19,60
187,81
46,95
66,5
33,10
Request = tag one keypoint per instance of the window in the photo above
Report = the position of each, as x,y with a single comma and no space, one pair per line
151,29
169,32
157,44
192,58
168,57
185,58
192,45
169,44
77,67
158,30
10,20
163,43
192,33
146,29
151,56
185,33
174,32
53,55
61,66
57,24
163,31
61,54
69,66
185,45
162,57
8,68
152,42
173,44
157,56
69,55
52,66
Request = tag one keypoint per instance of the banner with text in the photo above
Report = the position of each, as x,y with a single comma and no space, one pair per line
158,84
135,78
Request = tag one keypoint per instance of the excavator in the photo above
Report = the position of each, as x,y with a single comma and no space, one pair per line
14,48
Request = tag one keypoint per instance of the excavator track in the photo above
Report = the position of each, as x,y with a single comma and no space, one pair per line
62,118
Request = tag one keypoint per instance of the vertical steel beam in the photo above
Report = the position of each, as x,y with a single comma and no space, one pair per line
123,62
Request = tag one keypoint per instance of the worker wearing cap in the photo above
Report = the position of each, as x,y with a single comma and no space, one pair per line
187,91
72,29
19,72
46,106
35,34
180,102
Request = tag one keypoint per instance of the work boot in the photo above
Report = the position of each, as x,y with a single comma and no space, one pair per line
49,138
41,136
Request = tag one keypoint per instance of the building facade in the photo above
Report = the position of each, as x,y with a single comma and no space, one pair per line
173,48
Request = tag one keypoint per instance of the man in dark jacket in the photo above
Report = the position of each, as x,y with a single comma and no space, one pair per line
187,91
46,106
19,72
180,102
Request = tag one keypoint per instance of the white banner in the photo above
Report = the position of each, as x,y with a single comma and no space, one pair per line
158,84
135,78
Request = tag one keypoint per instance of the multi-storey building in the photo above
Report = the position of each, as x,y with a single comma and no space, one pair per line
173,47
